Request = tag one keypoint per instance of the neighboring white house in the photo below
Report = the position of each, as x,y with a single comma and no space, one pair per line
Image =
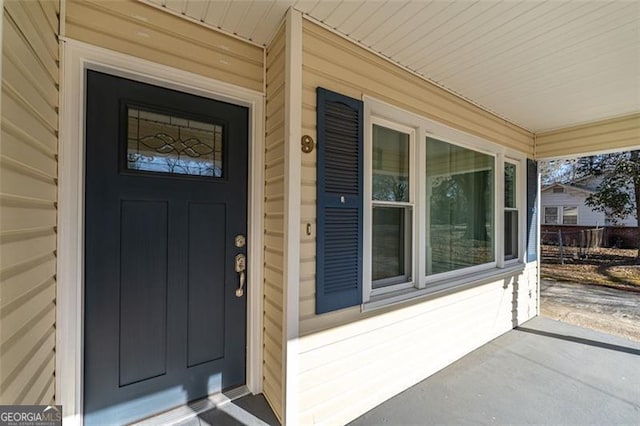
565,205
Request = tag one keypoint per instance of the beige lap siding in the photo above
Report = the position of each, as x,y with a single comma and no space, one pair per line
334,63
274,224
351,361
28,190
618,134
145,32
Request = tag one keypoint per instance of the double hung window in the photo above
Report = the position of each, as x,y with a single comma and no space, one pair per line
551,215
561,215
391,204
408,206
570,215
511,222
432,207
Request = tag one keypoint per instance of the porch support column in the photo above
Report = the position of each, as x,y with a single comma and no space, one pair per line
292,187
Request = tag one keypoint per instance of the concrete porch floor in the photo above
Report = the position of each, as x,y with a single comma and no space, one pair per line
543,372
250,410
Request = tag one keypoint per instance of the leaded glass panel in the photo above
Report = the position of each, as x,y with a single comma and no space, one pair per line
168,144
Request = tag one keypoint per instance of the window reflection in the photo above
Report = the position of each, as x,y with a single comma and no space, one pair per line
390,164
388,251
460,185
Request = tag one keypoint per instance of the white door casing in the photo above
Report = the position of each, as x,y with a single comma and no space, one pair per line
76,58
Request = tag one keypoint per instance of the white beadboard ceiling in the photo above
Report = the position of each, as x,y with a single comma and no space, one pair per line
540,64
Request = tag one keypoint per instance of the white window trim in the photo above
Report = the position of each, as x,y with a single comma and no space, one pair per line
423,285
388,118
521,202
76,58
560,215
436,279
577,215
369,203
522,209
544,215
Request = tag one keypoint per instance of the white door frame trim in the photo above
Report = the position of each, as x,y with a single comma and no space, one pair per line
77,57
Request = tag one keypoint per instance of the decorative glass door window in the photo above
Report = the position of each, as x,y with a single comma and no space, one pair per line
168,144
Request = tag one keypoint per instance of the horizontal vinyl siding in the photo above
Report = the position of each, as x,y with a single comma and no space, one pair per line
145,32
350,361
274,225
332,62
28,190
619,134
347,371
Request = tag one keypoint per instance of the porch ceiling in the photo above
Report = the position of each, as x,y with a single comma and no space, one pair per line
541,65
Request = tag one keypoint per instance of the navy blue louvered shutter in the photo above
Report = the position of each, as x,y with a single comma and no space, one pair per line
532,210
339,202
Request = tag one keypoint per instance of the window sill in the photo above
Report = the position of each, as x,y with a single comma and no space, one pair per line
441,288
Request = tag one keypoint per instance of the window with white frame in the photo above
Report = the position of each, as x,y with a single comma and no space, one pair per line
460,208
570,215
432,209
511,213
391,204
551,215
561,215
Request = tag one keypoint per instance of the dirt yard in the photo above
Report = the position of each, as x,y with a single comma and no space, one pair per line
600,290
603,266
600,308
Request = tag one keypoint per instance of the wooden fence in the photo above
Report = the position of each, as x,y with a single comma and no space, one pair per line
576,244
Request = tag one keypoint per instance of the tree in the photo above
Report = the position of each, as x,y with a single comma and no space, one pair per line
558,171
619,190
564,170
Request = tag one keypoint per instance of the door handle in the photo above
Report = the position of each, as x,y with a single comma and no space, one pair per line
241,266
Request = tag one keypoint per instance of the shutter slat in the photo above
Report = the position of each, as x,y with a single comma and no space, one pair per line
339,206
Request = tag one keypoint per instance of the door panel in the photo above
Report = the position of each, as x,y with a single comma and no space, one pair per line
166,194
206,264
143,290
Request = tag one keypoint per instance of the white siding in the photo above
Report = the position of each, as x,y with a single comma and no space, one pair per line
28,190
347,370
628,221
586,216
351,361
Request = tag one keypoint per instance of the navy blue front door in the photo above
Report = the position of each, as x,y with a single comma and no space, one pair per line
166,197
